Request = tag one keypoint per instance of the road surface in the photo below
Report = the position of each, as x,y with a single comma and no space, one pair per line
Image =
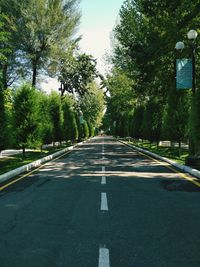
101,205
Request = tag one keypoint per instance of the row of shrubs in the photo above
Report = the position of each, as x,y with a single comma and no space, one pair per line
30,118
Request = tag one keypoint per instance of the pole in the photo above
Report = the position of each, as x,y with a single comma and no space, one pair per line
193,68
191,141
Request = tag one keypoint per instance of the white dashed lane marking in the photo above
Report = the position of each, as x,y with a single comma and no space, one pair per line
104,202
104,258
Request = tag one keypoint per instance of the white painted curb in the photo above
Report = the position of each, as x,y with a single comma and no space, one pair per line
184,168
6,176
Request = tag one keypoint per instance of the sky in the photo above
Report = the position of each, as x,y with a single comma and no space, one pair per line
97,21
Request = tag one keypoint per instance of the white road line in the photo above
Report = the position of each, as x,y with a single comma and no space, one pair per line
104,202
103,169
104,258
103,180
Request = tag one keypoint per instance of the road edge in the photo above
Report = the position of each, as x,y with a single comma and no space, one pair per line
184,168
25,168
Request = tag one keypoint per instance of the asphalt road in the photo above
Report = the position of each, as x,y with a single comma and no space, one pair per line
101,205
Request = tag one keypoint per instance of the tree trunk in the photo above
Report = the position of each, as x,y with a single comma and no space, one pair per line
172,144
23,152
157,143
34,74
179,148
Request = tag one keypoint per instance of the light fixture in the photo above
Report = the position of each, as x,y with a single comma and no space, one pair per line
179,46
192,35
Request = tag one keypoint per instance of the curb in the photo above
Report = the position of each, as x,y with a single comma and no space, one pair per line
8,175
184,168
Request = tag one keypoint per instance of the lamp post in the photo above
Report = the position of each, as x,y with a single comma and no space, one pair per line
192,35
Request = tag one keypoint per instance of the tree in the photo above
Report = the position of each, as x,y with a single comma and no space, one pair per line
80,127
15,66
76,72
6,29
92,105
70,128
136,123
195,123
44,27
85,130
91,130
176,117
46,125
26,117
56,115
3,139
121,101
152,120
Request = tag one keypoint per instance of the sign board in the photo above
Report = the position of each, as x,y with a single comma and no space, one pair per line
81,119
184,73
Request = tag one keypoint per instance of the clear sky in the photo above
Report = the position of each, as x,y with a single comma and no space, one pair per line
97,21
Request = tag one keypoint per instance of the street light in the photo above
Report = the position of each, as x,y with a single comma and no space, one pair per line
192,35
179,46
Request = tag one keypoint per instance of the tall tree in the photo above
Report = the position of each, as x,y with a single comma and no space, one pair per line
92,105
70,128
76,72
176,117
2,120
56,115
121,100
45,26
46,124
26,117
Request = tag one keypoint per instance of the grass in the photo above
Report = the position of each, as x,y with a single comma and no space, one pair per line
168,152
15,161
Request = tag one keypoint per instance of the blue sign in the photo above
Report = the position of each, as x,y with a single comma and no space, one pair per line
184,73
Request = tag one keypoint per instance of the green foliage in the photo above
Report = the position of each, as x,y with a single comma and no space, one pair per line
44,30
3,136
120,102
80,128
26,117
91,130
76,72
136,123
195,122
85,130
176,116
152,120
92,105
8,103
144,40
46,125
56,115
70,128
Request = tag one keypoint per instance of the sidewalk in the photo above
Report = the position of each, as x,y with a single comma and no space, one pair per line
10,152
